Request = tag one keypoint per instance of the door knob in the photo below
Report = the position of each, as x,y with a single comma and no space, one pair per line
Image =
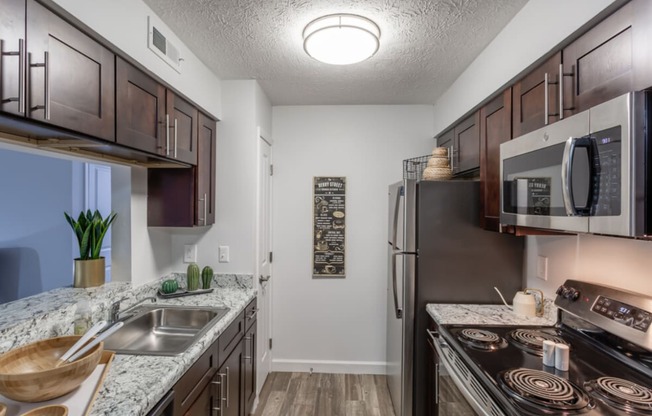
263,279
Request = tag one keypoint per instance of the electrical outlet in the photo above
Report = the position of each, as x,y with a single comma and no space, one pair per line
223,254
542,267
190,253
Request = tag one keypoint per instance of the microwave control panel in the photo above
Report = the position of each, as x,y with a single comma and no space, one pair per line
623,313
607,183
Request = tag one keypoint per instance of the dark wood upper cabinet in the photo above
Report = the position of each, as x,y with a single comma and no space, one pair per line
186,197
206,156
467,142
495,128
183,129
12,57
529,97
611,59
70,77
140,110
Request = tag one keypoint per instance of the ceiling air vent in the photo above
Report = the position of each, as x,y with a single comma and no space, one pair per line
161,45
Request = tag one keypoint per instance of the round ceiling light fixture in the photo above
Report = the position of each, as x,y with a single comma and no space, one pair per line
341,39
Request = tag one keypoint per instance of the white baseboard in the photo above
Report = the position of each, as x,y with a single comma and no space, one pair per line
331,367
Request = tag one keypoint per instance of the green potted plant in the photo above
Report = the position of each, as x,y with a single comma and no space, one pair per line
90,229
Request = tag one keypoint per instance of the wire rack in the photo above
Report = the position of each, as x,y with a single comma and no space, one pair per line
413,168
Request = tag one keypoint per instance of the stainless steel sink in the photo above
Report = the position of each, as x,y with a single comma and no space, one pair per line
163,330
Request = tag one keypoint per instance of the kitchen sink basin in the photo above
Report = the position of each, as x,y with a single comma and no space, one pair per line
163,330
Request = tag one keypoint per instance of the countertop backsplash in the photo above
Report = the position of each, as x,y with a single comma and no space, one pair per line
51,314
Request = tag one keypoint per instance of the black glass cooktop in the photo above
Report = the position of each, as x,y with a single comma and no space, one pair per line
597,382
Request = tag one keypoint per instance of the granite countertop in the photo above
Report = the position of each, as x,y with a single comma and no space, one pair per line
134,383
465,314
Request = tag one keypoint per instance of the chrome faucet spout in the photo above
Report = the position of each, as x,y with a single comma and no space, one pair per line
115,312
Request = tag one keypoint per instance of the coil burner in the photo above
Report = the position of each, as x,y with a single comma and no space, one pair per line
621,394
531,340
539,391
481,339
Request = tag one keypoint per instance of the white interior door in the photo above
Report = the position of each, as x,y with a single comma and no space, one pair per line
264,278
98,196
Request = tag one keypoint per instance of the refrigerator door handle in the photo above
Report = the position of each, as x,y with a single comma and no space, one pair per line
397,309
396,210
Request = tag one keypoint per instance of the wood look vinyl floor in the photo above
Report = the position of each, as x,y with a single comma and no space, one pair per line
304,394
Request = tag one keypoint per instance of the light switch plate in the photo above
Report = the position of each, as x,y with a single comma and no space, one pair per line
223,254
542,267
190,253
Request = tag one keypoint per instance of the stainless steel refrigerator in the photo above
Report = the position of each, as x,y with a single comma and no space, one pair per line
437,254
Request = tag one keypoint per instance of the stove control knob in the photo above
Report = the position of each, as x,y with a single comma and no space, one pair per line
572,294
561,290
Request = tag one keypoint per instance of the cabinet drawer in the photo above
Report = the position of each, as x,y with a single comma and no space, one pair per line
250,313
230,338
192,383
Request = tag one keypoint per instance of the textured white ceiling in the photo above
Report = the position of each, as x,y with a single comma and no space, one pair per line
425,45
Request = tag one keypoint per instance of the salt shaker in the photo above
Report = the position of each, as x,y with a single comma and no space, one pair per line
549,353
562,354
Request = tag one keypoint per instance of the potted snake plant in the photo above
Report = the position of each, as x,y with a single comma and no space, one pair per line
90,229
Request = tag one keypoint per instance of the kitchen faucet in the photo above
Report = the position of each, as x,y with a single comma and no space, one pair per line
114,310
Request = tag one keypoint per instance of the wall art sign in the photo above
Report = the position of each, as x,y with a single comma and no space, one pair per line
329,226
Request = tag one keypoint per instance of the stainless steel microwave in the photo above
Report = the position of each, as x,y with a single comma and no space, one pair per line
586,173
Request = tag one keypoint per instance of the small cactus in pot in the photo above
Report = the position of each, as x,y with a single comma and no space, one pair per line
192,276
206,277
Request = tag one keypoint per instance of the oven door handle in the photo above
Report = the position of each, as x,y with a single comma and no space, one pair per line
486,409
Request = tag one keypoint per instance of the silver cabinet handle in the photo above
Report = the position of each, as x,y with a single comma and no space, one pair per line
228,390
46,75
546,98
262,279
561,91
21,74
218,408
167,135
205,213
248,338
437,383
205,208
175,138
253,314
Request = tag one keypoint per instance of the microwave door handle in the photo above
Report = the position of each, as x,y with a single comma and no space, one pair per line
591,146
566,176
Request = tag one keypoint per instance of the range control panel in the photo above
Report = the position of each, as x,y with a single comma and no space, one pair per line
622,313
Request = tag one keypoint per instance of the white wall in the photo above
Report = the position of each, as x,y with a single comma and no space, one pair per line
610,261
533,32
245,108
124,23
337,325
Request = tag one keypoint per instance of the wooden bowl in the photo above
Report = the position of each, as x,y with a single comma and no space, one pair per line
51,410
27,374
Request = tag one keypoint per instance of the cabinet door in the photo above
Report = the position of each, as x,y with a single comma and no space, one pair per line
249,369
601,62
140,110
206,155
529,98
183,129
230,374
203,406
12,56
495,128
467,143
71,77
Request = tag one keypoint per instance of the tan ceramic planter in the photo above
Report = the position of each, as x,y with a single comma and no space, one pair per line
89,273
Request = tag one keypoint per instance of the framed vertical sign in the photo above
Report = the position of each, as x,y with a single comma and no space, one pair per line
329,226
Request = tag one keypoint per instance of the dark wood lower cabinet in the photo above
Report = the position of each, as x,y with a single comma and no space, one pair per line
222,381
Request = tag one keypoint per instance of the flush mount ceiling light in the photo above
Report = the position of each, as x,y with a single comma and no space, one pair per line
341,39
